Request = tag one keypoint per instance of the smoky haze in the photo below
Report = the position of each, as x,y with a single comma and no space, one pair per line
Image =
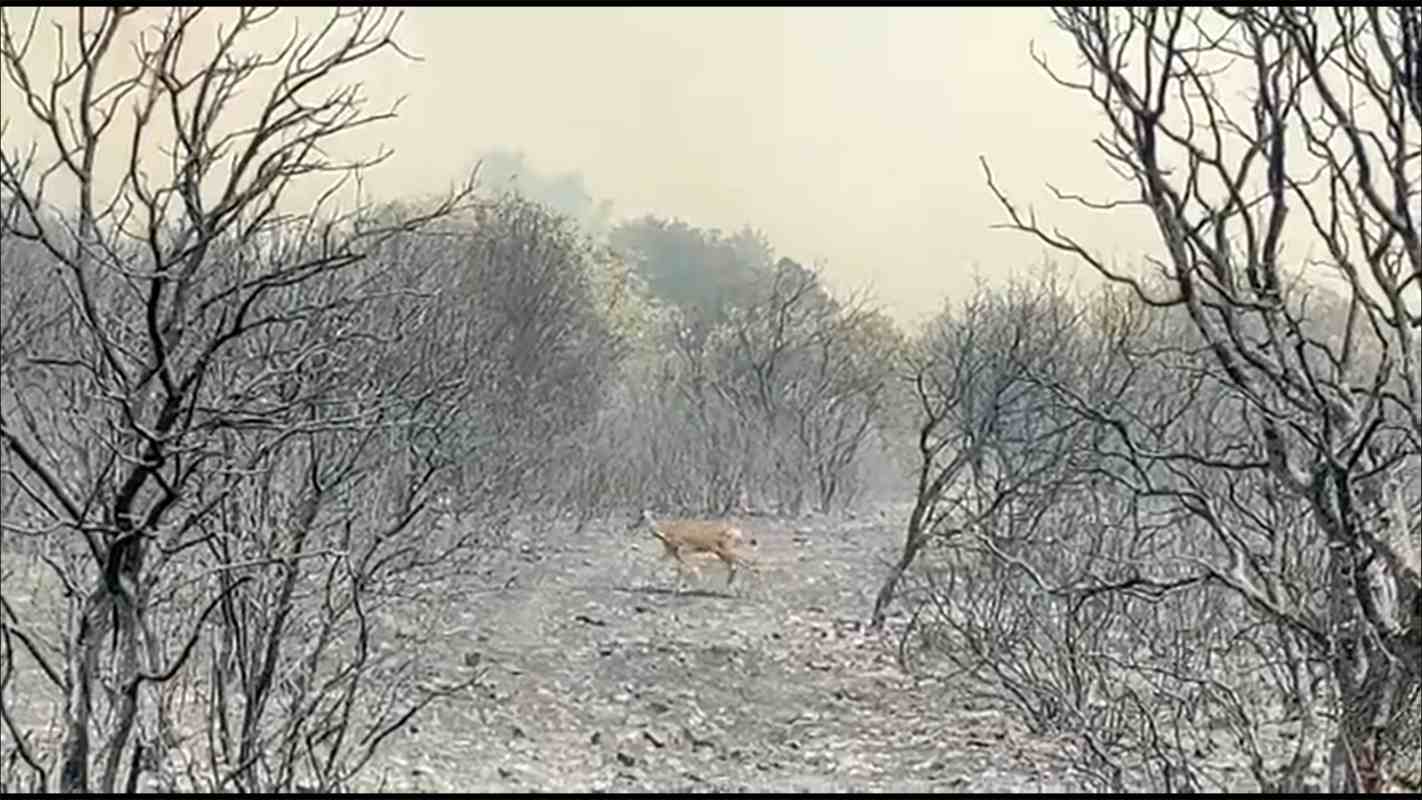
321,472
851,137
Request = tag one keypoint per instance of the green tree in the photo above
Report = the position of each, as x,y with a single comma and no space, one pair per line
703,272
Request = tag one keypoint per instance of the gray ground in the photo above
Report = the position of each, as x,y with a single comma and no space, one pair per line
606,681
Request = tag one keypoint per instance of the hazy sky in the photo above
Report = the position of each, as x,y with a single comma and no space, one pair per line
850,136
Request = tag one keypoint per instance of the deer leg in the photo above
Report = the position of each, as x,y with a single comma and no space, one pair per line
670,551
680,573
682,567
730,570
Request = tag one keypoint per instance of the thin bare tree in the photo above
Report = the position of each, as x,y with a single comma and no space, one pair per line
1324,147
985,433
223,413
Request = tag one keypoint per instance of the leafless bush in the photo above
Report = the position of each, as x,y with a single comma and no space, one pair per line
813,373
1333,417
1094,600
222,437
517,320
988,438
1150,677
769,406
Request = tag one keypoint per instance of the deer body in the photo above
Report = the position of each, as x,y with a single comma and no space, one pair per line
684,538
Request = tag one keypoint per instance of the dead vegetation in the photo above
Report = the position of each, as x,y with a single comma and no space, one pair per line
327,496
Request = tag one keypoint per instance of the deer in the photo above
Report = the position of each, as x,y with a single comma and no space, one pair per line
681,538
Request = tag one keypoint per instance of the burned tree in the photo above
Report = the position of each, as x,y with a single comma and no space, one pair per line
986,430
1325,149
220,452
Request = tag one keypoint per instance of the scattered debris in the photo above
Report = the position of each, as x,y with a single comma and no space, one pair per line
781,691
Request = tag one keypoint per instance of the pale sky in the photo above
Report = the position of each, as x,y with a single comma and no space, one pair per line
851,136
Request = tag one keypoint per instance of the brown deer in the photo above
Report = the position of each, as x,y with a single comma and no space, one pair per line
683,538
